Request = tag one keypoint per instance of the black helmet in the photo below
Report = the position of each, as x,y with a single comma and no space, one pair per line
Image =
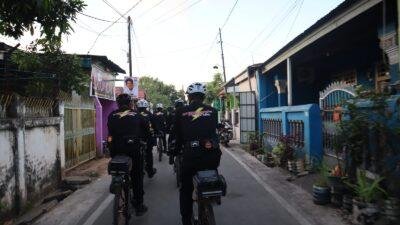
124,100
179,103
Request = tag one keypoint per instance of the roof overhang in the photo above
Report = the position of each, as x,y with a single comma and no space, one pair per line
106,62
336,18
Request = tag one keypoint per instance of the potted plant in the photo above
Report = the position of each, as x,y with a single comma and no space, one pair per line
254,140
321,190
367,192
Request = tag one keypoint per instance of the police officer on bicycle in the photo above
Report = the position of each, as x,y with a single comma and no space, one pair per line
160,120
142,106
195,129
179,103
126,124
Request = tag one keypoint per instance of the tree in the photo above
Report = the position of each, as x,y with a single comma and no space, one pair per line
213,88
53,16
158,92
66,69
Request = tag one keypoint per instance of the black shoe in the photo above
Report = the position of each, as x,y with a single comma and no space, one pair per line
141,210
152,173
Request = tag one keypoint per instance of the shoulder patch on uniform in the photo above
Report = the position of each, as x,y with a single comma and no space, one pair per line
125,113
198,113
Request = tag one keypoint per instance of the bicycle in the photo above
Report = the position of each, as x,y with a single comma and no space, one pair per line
209,187
178,169
120,168
160,146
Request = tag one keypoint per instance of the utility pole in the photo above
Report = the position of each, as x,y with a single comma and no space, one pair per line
222,55
129,44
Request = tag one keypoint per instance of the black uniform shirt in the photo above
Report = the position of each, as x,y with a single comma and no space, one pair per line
160,120
124,123
195,122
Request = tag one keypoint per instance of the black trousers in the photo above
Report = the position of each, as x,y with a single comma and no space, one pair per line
149,155
137,176
194,160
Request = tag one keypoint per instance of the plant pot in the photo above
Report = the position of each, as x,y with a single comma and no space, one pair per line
300,166
321,195
357,209
270,161
347,203
337,193
291,166
392,209
369,214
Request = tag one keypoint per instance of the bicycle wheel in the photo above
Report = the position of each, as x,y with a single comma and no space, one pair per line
206,214
178,171
159,149
121,212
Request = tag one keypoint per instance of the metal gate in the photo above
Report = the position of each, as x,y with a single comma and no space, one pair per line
330,102
248,115
79,126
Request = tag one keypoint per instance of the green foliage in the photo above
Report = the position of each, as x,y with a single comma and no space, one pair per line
323,172
69,75
365,133
53,17
368,191
213,88
158,92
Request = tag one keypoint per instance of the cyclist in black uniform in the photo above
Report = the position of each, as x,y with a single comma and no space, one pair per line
123,124
160,120
195,128
142,106
179,103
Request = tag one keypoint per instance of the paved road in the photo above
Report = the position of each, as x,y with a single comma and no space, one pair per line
247,202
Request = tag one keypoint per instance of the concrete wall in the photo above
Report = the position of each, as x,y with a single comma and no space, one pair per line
7,178
32,150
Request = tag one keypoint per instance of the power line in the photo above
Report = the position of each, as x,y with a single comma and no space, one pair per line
109,26
229,15
295,19
169,11
179,12
113,8
99,19
147,11
279,23
268,25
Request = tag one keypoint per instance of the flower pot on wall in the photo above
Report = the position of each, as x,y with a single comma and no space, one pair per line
347,203
392,209
321,194
358,206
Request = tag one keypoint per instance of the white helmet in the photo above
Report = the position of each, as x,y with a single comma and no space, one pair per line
142,103
159,105
196,88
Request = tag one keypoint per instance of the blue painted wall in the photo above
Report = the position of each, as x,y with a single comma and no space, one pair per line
310,116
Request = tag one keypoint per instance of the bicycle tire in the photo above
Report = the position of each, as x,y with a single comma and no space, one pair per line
178,172
120,209
159,149
207,214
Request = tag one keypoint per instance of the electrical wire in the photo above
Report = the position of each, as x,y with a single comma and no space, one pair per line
147,11
99,19
179,12
113,8
171,10
267,25
229,15
294,21
279,23
109,26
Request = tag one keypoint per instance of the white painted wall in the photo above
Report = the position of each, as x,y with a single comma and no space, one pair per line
41,156
7,176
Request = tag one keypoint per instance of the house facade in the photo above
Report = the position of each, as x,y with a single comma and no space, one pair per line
304,83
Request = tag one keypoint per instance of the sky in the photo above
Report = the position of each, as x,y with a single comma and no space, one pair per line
176,41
